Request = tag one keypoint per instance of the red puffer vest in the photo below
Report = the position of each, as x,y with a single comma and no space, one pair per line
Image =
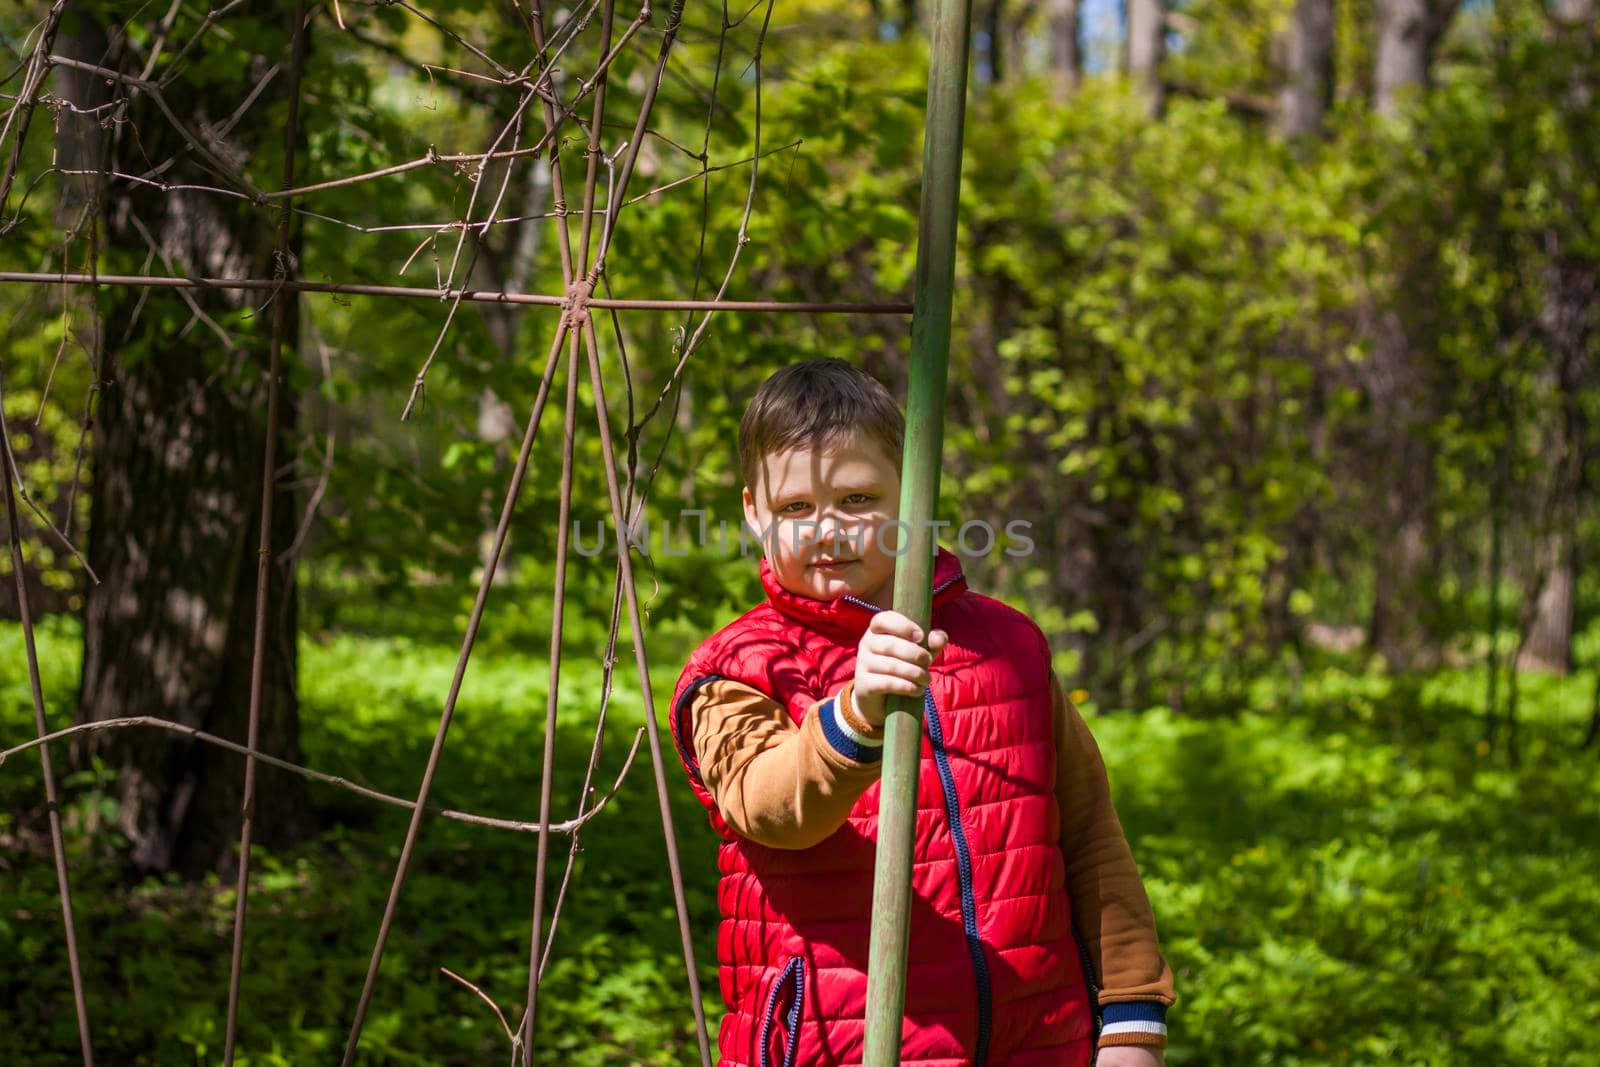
996,976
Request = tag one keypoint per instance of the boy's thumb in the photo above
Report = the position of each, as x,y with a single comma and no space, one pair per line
937,640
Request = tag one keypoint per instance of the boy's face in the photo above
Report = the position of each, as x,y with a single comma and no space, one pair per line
823,514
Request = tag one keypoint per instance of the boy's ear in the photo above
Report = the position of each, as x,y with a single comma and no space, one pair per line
752,520
750,508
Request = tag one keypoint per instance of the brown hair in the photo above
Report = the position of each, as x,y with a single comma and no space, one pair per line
817,402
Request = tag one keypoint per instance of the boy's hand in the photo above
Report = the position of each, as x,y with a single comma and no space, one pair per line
1130,1056
890,659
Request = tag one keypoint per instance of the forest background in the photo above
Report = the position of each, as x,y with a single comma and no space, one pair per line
1276,321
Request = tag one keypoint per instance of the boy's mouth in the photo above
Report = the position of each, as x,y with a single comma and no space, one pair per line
832,564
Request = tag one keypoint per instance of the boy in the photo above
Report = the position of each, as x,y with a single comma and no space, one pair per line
1024,893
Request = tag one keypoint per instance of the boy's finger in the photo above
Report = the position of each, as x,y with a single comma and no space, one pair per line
895,624
887,667
905,687
890,669
938,641
899,648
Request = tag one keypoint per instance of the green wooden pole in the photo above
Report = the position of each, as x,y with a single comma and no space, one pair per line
919,491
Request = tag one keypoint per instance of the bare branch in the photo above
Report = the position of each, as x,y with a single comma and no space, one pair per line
155,723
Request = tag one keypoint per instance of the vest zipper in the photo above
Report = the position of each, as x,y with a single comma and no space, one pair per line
947,583
969,903
794,971
1092,985
958,836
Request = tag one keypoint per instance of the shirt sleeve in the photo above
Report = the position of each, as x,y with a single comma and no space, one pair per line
1109,906
777,782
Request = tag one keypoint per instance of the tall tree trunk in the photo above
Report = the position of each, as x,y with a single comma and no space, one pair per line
1015,28
509,269
1147,49
1576,14
1066,45
994,33
1307,89
1497,524
1572,289
78,147
1407,33
1405,607
1568,322
178,447
1549,643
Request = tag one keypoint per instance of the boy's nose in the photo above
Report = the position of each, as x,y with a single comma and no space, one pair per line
833,529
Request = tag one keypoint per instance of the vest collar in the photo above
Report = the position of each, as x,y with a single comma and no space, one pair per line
847,615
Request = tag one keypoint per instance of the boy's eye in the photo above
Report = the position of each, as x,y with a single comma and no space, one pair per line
793,507
859,498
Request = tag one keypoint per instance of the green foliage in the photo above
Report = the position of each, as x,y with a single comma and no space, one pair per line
1163,361
1233,46
1356,883
156,957
44,440
1339,875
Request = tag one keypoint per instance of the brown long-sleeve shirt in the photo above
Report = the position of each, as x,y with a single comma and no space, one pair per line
784,785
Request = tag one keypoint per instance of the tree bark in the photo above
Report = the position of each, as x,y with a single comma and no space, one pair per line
1549,643
1405,607
1572,286
1568,322
1574,13
1016,29
79,146
1408,30
1406,603
1307,91
1066,46
178,447
510,269
1147,49
994,54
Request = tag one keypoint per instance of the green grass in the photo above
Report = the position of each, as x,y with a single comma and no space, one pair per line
1339,875
1357,883
157,957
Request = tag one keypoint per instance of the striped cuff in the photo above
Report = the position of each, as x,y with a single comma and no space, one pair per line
851,716
845,738
1133,1022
